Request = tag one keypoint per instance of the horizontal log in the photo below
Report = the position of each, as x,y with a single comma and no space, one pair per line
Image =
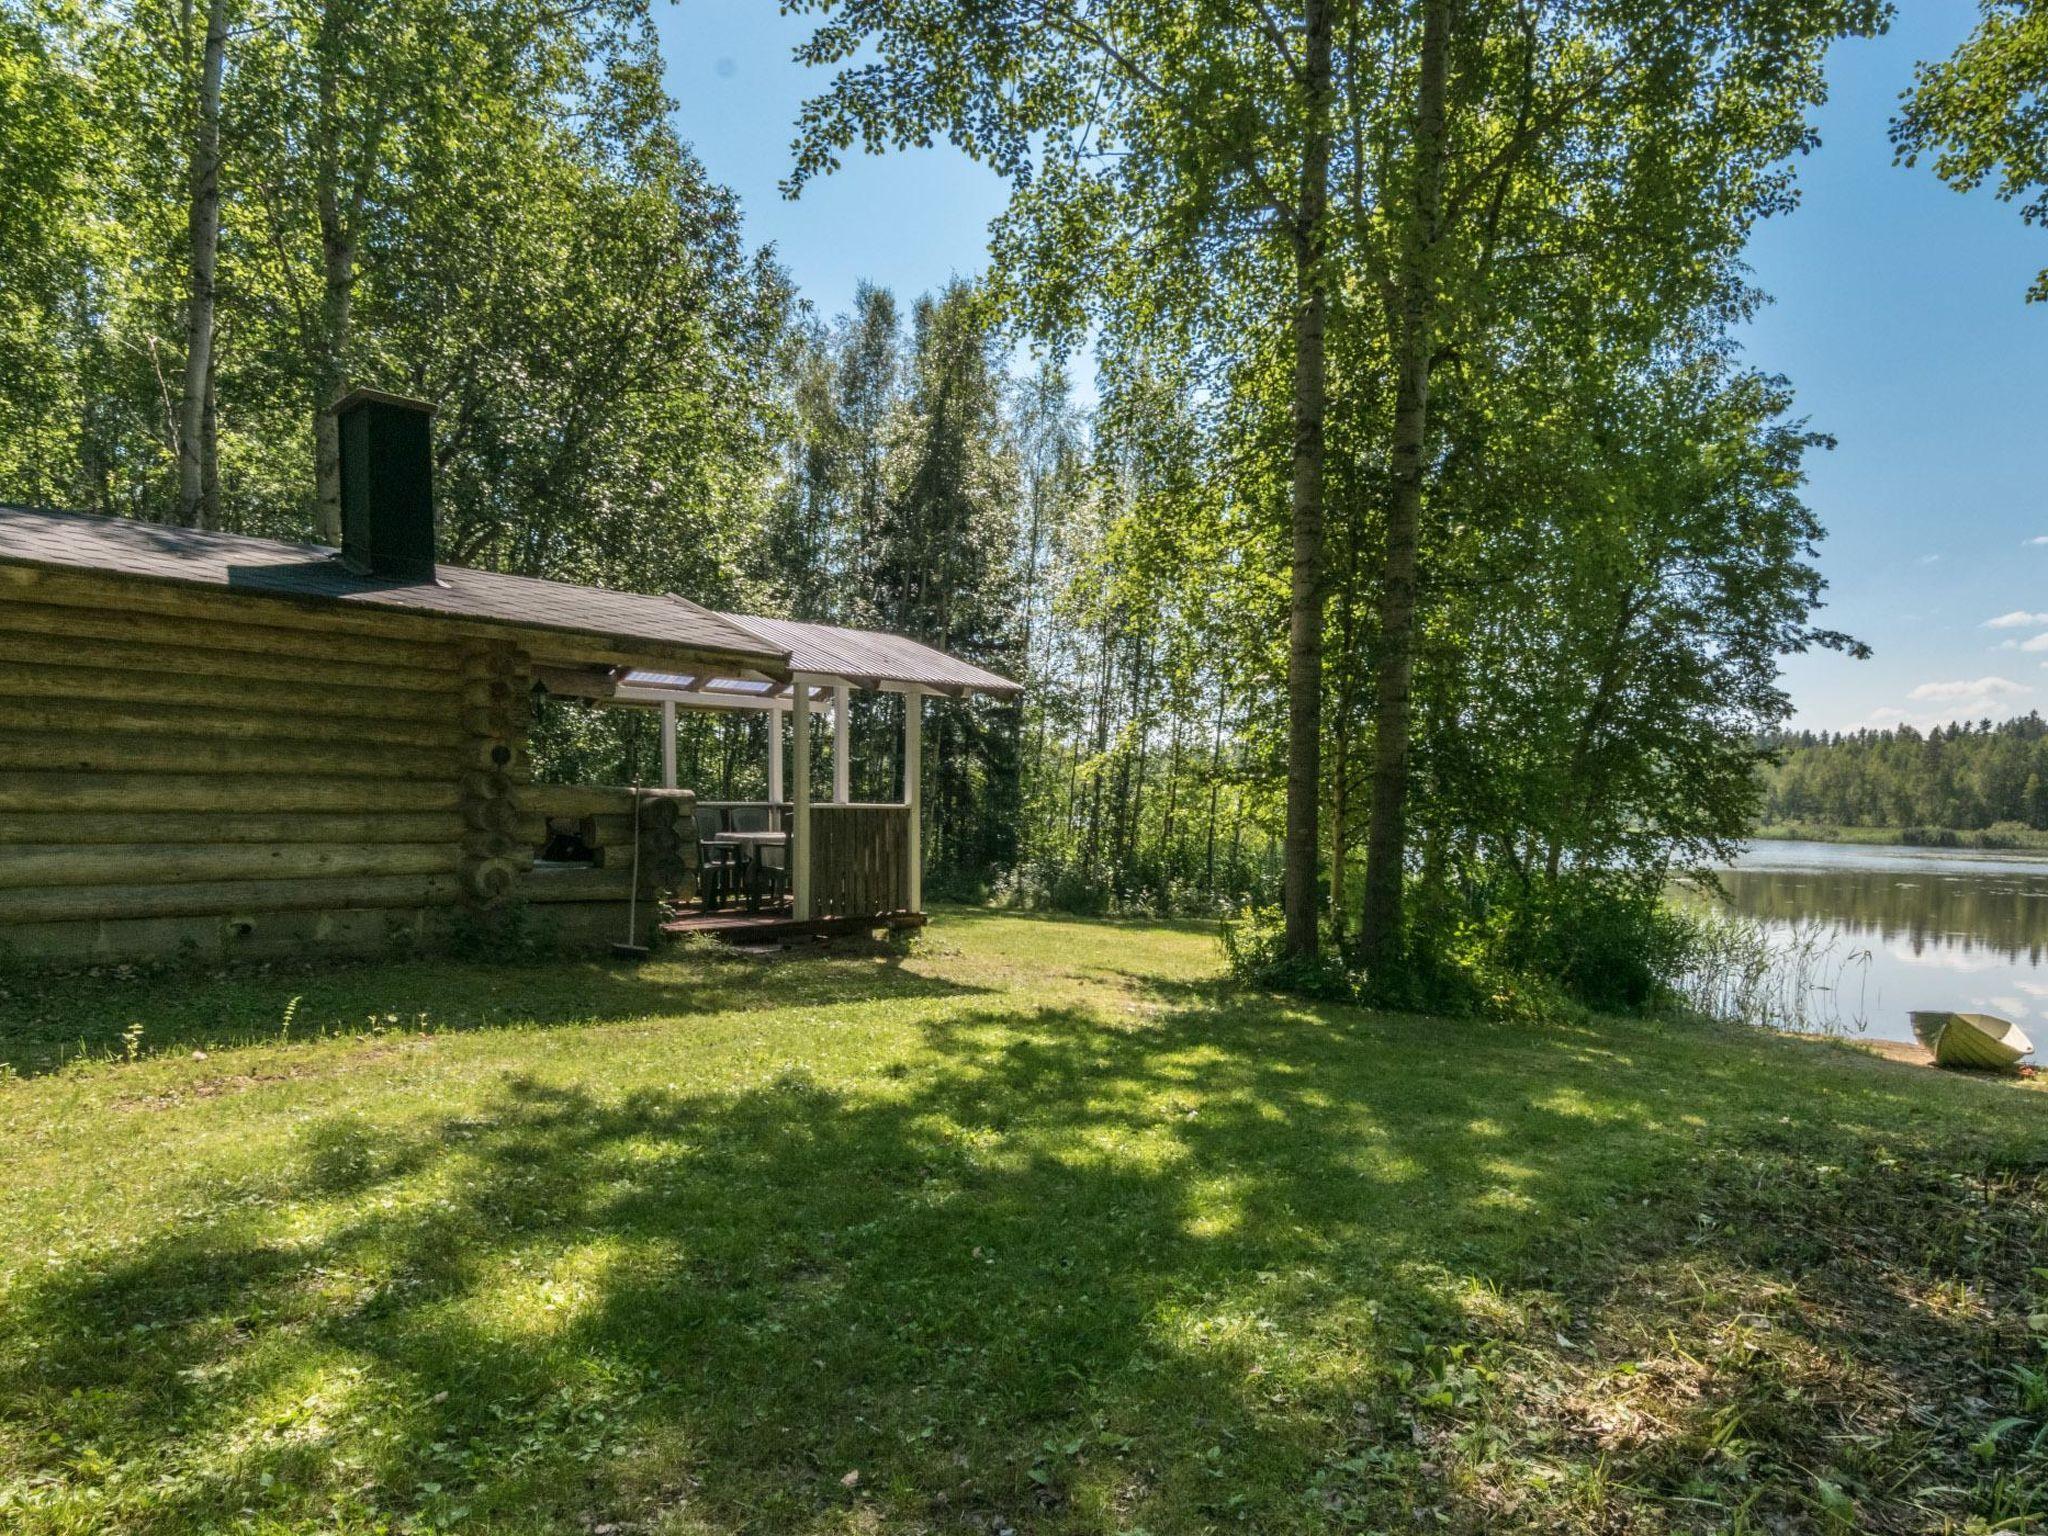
100,828
216,604
200,754
49,793
125,716
578,882
578,682
200,689
188,660
228,898
44,867
609,878
595,925
374,932
220,632
578,800
507,661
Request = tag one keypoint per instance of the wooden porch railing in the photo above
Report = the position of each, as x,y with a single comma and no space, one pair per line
860,859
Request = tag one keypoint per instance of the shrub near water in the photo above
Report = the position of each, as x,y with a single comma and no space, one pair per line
1601,941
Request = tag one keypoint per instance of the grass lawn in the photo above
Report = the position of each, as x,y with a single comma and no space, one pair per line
1039,1228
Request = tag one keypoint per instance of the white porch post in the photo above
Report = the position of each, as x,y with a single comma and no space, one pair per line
842,765
800,831
774,755
668,743
913,772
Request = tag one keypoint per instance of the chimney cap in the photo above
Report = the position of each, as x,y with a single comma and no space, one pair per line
363,395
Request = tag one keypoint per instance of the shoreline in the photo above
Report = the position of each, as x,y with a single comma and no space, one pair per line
2004,839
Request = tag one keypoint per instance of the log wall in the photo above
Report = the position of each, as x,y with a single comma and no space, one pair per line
213,776
183,770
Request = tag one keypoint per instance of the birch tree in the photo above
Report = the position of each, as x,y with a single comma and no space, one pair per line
195,422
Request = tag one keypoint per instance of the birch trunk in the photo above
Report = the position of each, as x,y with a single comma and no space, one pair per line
337,292
1386,839
1299,887
203,237
343,185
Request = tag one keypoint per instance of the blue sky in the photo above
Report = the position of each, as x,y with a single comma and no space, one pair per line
1898,314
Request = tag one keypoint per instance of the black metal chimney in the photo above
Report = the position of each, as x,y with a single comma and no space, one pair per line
387,484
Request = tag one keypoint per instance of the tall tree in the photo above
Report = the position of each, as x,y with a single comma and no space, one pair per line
941,563
195,421
1148,145
1628,146
1412,300
869,381
46,128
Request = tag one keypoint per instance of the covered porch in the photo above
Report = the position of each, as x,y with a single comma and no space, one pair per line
808,858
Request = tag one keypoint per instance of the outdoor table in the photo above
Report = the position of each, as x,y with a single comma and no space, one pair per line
751,845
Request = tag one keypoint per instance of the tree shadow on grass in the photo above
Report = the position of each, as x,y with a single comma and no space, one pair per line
52,1020
1221,1266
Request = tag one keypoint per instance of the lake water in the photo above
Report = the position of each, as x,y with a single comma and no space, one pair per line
1906,928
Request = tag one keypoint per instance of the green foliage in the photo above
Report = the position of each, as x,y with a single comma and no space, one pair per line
1611,944
1585,940
1254,947
1982,114
481,204
1983,778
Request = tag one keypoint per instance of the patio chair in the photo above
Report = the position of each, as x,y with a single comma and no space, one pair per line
770,869
718,864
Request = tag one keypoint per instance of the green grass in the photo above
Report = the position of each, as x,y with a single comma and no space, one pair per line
1041,1227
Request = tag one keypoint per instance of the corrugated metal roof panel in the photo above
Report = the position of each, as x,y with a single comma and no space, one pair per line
869,656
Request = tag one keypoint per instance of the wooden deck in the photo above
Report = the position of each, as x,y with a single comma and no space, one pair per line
773,925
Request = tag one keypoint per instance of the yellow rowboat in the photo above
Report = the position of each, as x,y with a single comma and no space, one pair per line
1980,1040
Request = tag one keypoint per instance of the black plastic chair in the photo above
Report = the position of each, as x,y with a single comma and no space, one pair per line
769,869
718,864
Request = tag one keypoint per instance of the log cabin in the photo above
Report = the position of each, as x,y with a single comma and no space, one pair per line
224,746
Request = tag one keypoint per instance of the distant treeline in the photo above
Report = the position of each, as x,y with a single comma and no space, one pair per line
1963,776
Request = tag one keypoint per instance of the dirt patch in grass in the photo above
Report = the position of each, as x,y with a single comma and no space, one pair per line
1845,1346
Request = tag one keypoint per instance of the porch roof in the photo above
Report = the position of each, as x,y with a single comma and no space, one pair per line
828,655
870,658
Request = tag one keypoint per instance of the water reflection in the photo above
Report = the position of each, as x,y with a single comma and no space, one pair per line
1944,929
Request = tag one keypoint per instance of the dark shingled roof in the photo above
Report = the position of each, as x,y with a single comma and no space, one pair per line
270,568
868,657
